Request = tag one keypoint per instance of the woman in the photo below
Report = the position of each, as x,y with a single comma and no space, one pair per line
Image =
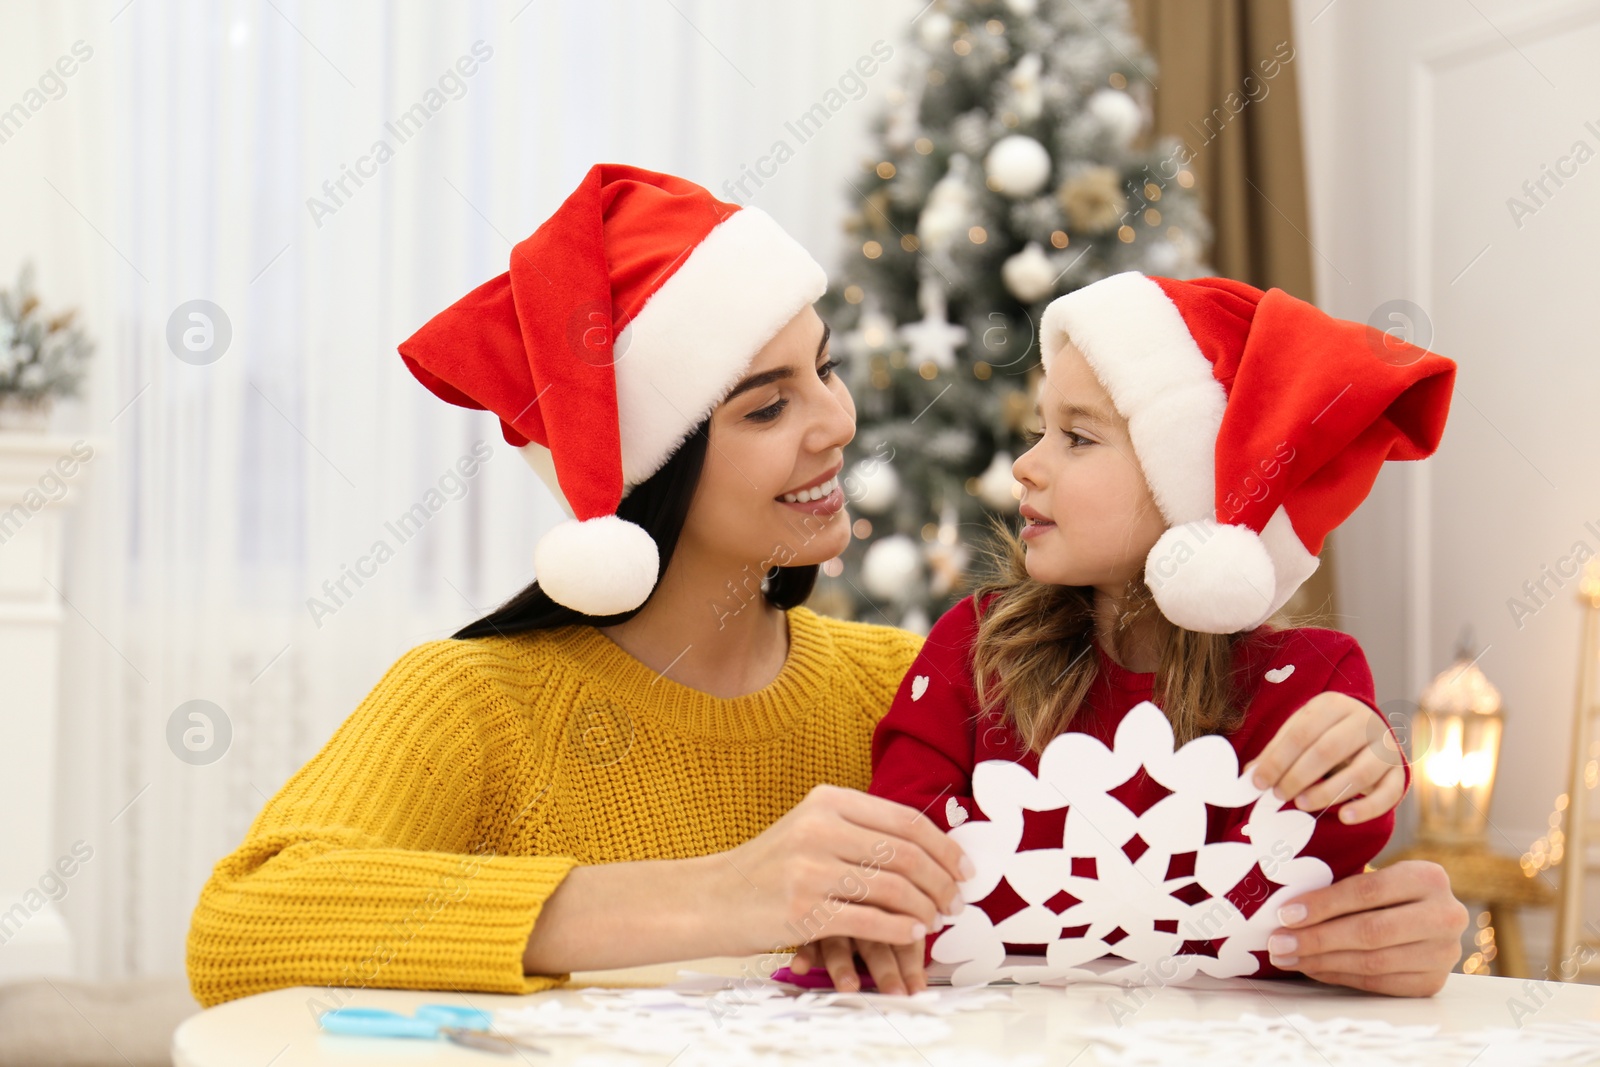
654,753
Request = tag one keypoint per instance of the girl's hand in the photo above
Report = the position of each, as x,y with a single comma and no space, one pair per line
1395,931
895,968
841,864
1334,748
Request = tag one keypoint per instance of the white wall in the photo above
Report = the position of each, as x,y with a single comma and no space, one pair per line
1422,120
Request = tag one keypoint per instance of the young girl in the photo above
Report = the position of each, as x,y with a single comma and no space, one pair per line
1199,439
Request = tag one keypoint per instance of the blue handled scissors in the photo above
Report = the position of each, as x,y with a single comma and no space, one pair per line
464,1026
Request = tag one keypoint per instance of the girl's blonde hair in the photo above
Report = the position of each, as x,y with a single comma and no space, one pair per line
1034,653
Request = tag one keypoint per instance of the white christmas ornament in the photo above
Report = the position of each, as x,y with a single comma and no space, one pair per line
1118,114
996,485
1027,99
872,486
1028,275
900,128
1129,901
1023,7
874,330
892,564
1017,166
949,209
933,340
934,30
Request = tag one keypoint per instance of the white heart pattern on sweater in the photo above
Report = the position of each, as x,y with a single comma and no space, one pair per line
954,813
1280,674
919,685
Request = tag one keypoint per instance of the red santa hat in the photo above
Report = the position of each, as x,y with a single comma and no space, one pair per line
1259,421
624,320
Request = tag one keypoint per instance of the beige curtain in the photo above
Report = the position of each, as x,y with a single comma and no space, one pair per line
1225,86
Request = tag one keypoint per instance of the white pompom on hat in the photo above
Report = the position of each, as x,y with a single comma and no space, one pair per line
623,321
1260,423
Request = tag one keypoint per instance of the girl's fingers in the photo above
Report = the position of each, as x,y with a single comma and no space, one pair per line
1296,735
1425,957
911,965
1356,778
839,955
804,958
1404,984
1383,798
883,963
1338,743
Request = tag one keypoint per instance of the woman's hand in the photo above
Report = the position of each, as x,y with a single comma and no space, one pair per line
839,864
1395,931
1334,732
895,968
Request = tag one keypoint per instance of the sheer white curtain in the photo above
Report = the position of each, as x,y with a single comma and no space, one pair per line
177,165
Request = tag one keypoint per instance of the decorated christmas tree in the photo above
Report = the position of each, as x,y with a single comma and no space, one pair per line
1013,166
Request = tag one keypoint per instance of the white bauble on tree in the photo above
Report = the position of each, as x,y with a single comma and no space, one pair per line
872,486
891,567
949,210
1017,166
915,621
1162,257
1026,96
1024,8
1028,275
1118,113
996,485
934,30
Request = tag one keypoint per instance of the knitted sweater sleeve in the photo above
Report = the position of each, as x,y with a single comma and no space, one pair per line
375,863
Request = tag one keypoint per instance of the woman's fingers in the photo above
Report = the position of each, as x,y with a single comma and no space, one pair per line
899,856
866,923
902,821
840,863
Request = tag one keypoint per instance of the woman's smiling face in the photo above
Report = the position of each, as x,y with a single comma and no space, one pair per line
780,432
1091,518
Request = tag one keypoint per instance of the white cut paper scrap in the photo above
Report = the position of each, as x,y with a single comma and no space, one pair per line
1294,1040
705,1019
1135,926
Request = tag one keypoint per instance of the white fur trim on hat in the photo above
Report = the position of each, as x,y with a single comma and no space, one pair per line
602,566
686,348
1136,342
1212,578
1293,563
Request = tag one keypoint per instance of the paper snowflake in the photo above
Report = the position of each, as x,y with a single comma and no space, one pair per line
1125,893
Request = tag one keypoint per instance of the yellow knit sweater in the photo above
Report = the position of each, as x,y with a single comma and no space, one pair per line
417,847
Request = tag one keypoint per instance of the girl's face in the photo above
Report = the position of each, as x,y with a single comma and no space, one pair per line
780,432
1091,520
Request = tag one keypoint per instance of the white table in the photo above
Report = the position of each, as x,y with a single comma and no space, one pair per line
280,1029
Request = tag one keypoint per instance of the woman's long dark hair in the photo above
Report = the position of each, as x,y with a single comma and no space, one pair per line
660,504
